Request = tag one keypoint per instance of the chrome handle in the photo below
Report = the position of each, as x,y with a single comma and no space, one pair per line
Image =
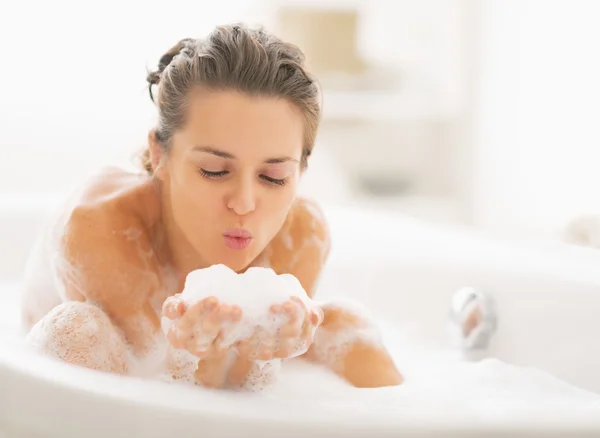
473,318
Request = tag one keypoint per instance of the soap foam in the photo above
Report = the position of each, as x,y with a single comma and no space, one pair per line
254,291
80,333
438,385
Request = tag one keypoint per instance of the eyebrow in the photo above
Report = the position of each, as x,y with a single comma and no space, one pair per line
211,150
223,154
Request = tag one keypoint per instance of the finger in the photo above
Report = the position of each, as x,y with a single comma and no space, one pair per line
300,307
218,323
286,348
209,303
265,352
299,302
291,310
236,313
189,342
307,328
276,308
244,349
207,348
173,307
195,312
173,337
199,327
179,334
316,317
292,327
230,313
224,311
304,340
220,345
210,325
229,327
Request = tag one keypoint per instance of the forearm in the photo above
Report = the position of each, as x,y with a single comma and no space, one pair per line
350,346
235,372
227,370
81,334
367,366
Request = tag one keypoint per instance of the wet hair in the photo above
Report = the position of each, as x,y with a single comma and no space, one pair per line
232,57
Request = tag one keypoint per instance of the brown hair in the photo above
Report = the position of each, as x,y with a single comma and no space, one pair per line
232,57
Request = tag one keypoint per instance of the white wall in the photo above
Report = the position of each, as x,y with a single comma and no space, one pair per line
74,96
538,140
73,81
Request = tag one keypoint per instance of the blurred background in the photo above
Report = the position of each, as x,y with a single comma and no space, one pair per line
480,113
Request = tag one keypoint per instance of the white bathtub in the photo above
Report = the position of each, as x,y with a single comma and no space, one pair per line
548,301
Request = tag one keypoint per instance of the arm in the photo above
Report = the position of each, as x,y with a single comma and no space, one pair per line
358,356
103,312
100,264
349,344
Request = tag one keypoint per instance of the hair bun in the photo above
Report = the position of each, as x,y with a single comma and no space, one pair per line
153,78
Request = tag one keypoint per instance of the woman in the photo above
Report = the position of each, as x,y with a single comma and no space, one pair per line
238,115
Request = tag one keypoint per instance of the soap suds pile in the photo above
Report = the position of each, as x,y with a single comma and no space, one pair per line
438,385
254,292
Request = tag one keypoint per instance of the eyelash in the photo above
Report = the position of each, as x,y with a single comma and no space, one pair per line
212,175
217,175
277,182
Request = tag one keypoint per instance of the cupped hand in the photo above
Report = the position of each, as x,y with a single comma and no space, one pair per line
201,328
292,337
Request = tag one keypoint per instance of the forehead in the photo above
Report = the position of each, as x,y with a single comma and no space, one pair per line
243,125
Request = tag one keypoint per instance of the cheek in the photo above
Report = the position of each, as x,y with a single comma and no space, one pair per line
278,204
196,203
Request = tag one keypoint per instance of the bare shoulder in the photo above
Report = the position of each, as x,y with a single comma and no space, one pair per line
307,219
111,186
106,255
96,249
302,246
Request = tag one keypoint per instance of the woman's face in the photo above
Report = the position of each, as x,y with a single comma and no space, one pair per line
231,175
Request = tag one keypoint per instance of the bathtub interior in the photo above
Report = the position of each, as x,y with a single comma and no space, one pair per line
544,357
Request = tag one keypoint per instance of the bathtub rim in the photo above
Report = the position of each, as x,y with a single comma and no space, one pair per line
58,381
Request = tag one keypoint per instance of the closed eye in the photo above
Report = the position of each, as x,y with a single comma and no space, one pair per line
278,182
213,175
222,173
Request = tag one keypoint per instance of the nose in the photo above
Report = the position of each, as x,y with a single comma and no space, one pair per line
242,199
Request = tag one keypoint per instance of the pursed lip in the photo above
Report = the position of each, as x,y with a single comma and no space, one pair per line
238,233
237,238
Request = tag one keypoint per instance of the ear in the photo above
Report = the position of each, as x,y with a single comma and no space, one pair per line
156,154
